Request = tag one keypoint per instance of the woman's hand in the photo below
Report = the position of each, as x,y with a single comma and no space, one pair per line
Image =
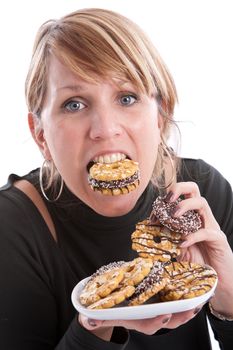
208,245
103,329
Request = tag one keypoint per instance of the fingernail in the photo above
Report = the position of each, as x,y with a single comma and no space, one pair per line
91,322
196,310
166,320
168,196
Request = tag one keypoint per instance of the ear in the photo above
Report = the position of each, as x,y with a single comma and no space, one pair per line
37,132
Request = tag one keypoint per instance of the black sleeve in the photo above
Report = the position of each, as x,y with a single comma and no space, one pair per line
78,337
27,306
218,192
29,310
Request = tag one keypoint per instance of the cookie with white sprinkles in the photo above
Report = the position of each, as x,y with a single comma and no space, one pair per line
113,283
150,286
120,177
189,222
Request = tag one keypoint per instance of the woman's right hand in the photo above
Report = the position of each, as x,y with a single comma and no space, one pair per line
104,329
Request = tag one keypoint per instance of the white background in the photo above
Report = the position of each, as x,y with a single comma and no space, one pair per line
195,38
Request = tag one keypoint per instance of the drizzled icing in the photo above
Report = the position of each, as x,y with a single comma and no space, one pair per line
156,240
187,280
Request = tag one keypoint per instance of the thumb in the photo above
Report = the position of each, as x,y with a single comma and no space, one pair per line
89,323
95,327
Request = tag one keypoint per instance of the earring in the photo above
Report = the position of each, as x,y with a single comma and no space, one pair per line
45,168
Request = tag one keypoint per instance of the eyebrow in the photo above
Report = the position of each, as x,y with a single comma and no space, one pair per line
71,87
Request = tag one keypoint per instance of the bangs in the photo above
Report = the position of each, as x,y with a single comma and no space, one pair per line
92,51
97,44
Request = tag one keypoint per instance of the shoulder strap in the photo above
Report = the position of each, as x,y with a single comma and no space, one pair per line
30,191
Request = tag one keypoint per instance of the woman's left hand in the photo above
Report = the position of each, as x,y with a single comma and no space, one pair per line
208,245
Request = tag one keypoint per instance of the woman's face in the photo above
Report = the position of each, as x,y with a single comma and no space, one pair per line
83,121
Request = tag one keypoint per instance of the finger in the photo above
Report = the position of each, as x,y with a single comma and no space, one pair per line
188,189
89,323
208,235
199,204
146,326
180,318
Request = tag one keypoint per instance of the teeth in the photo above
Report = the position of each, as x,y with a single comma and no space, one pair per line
110,158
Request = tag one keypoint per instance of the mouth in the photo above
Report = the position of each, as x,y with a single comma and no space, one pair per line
113,174
107,159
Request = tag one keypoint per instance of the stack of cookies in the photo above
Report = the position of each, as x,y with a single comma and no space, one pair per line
156,275
113,283
159,238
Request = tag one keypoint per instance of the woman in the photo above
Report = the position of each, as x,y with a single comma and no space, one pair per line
97,91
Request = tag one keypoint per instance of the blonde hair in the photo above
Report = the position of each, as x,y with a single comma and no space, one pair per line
94,43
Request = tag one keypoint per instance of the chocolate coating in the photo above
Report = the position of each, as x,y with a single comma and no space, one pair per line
154,277
113,183
189,222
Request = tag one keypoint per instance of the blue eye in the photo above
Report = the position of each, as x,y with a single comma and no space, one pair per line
128,100
73,106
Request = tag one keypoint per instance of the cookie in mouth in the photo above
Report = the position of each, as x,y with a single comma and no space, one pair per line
119,177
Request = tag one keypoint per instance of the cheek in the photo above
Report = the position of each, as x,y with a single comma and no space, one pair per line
153,141
150,140
61,143
151,136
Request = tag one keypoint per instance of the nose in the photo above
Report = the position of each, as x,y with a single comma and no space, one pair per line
104,125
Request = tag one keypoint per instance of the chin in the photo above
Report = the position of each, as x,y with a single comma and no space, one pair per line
114,205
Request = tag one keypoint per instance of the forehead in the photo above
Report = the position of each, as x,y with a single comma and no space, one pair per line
60,77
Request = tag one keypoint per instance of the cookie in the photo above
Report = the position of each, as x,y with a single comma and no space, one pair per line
136,270
187,280
106,268
189,222
112,277
101,285
116,178
114,298
156,241
150,286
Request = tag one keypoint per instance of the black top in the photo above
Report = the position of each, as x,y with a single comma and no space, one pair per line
37,274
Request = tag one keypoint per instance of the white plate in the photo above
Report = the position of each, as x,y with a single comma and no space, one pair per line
140,311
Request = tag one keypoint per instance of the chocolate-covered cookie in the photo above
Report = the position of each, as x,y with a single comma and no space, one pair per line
111,284
189,222
154,282
116,178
